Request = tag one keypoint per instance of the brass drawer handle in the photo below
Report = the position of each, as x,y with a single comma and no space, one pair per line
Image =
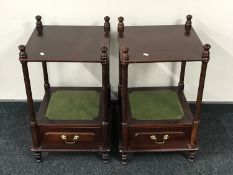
165,137
75,138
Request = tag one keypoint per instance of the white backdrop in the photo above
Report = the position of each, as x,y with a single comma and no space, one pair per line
212,20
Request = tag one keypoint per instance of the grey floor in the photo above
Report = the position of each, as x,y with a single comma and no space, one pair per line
214,157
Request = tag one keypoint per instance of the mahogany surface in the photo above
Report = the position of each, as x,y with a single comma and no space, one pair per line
167,43
67,44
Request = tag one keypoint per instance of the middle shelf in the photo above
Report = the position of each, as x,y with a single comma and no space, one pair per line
158,105
71,105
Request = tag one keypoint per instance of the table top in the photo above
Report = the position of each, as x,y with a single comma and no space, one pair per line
167,43
67,44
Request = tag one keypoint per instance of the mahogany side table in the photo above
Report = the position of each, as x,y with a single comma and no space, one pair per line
158,119
69,118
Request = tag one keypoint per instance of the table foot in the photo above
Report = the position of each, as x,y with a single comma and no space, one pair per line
38,156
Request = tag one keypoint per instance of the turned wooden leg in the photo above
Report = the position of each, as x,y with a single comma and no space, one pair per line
124,104
105,157
191,156
38,156
124,158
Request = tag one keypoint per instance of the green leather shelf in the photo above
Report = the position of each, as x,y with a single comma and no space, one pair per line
155,105
73,105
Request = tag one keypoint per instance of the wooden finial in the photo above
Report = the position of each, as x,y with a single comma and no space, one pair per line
120,24
106,24
104,55
22,53
188,24
125,56
39,25
206,52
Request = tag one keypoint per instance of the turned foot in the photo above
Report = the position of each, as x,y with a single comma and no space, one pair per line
38,156
191,156
124,158
105,157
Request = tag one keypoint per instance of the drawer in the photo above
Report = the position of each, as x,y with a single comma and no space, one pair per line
69,137
75,138
153,138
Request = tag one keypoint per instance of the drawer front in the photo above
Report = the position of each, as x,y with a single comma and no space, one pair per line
153,138
75,138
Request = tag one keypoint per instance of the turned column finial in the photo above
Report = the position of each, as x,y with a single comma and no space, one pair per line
120,24
125,56
188,24
39,25
206,52
22,53
104,55
106,24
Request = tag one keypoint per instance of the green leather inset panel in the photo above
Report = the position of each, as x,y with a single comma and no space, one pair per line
155,105
73,105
